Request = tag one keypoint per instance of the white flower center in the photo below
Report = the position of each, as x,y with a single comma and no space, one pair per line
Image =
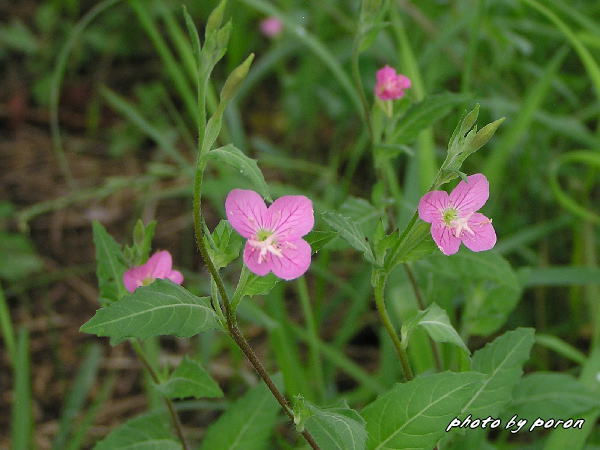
452,219
265,242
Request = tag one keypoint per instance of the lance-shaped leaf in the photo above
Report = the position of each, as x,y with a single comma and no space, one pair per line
190,380
350,232
334,428
414,415
109,265
502,361
248,167
147,432
247,424
552,395
484,282
437,324
319,239
417,244
227,245
257,285
162,308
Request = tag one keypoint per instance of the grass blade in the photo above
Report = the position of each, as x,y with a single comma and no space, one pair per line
22,420
8,333
84,381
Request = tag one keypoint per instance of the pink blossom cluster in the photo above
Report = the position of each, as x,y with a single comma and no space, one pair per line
390,85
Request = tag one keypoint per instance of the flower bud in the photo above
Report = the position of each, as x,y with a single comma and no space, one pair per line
235,79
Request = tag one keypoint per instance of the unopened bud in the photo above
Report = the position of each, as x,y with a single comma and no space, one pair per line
235,78
215,19
485,134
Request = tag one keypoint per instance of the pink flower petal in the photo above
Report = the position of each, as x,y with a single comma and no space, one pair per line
290,216
385,74
484,235
403,81
431,206
295,260
160,264
246,211
131,279
471,195
390,85
271,26
251,255
175,276
444,238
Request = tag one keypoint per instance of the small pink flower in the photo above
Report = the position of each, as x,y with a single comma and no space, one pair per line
453,217
158,266
390,85
271,26
274,234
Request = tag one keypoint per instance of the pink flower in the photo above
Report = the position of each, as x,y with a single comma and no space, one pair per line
274,234
158,266
271,26
390,85
454,218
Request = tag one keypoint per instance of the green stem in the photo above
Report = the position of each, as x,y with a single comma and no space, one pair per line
8,333
359,88
168,403
422,305
230,317
313,333
238,295
379,290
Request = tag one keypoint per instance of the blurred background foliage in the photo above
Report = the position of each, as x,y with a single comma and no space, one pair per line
97,114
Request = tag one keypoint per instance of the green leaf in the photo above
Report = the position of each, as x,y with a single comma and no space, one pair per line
421,115
258,285
162,308
190,380
18,258
228,244
416,245
247,424
437,324
484,281
248,167
110,266
414,415
147,432
502,361
559,276
551,395
350,232
335,428
319,239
